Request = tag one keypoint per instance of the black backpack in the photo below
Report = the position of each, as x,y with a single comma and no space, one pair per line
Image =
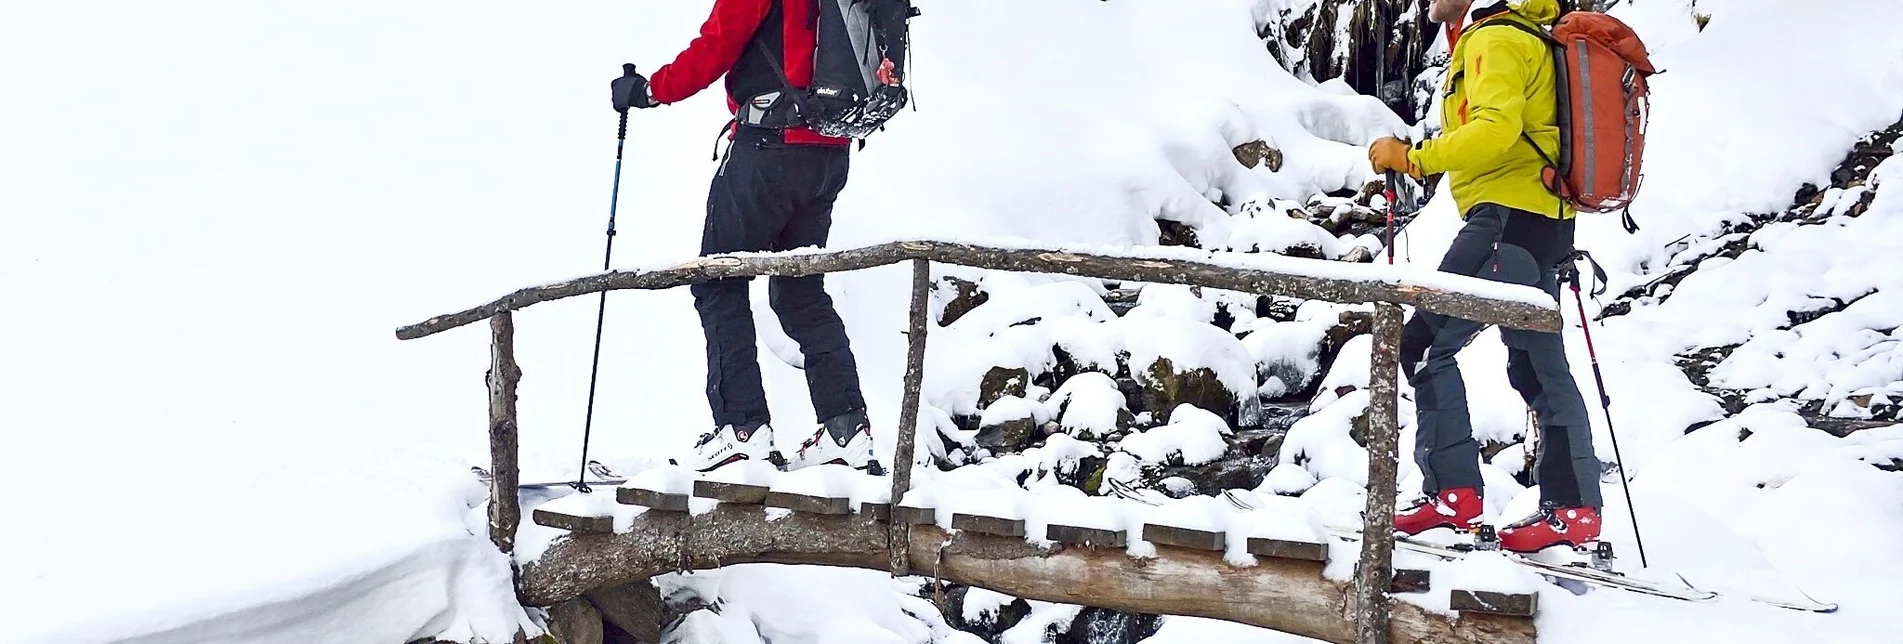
858,44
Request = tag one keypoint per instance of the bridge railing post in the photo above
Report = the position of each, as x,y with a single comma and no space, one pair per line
504,514
1375,573
899,537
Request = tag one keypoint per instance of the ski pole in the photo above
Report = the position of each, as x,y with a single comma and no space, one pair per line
1605,403
601,313
1392,195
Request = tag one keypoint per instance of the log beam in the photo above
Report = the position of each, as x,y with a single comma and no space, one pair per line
1248,273
1281,594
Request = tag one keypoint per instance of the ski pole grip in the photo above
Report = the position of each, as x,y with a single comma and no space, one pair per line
623,134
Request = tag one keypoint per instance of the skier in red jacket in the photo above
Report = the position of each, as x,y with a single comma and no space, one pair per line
773,192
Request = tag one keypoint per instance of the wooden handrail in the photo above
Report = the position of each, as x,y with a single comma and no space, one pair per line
1310,279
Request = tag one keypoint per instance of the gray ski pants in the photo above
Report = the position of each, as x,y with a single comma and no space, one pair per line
1445,449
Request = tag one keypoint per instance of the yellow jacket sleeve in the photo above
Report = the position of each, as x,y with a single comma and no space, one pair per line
1496,78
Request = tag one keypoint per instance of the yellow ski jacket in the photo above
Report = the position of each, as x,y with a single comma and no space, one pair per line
1500,91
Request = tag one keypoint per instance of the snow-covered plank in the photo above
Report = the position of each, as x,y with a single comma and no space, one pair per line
914,515
1493,603
574,522
731,492
1411,580
881,512
663,501
809,503
1169,535
746,481
1082,536
988,525
1288,549
1488,302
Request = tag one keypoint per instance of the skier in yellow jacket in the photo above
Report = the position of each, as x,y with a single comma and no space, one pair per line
1499,123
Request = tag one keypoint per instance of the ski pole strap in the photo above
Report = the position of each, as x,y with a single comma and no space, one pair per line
1598,272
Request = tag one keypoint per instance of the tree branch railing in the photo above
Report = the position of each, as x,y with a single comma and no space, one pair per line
1486,302
1248,273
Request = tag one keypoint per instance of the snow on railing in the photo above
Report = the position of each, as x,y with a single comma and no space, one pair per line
1388,287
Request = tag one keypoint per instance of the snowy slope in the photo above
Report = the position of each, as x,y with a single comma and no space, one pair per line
219,210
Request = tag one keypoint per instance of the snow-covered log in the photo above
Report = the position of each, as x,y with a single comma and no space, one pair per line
1465,297
1282,594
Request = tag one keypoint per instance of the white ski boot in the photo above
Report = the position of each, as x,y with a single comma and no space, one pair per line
845,439
731,444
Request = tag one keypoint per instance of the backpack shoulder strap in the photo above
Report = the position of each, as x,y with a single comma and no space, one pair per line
1549,41
1536,32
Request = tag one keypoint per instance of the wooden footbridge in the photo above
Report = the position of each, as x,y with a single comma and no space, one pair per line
1123,555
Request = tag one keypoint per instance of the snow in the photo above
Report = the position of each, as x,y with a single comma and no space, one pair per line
981,604
1289,352
1320,442
1285,518
748,472
1287,478
1090,402
836,481
1193,436
1188,346
666,479
1061,452
1197,630
1045,618
1265,227
1009,408
832,606
1490,571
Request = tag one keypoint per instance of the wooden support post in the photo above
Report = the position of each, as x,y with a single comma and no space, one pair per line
1374,577
504,513
899,535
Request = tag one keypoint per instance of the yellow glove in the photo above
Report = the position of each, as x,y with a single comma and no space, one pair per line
1389,153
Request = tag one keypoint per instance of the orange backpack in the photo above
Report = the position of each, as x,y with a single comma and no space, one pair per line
1602,68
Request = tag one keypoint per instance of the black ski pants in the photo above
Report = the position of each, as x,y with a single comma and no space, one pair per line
1444,447
770,196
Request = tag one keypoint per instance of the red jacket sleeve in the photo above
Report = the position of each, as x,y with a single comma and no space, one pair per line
711,55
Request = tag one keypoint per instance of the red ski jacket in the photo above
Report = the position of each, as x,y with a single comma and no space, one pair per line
730,44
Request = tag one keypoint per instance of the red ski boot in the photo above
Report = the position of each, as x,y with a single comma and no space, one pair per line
1458,508
1576,527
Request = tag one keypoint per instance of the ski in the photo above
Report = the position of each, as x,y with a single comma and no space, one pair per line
1575,573
1128,492
1593,576
609,478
